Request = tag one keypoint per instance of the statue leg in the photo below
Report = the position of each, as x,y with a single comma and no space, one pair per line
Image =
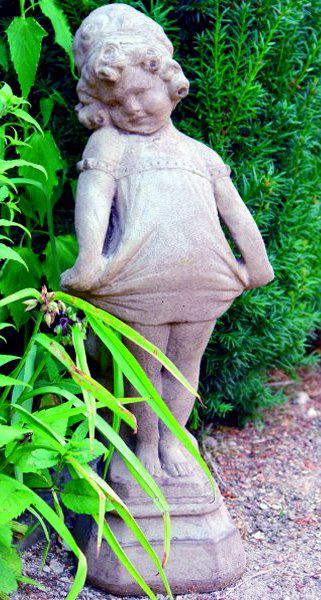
186,345
147,437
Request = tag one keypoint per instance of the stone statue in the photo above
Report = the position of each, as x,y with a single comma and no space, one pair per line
149,203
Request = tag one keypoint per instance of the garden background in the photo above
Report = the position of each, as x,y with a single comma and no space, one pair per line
254,68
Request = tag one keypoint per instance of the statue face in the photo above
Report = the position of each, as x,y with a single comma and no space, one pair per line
139,102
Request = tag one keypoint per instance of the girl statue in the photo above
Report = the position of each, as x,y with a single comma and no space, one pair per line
149,203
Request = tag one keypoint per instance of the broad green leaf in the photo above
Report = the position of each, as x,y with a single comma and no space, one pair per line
81,498
30,460
25,37
5,535
42,151
63,35
7,253
67,250
84,452
38,480
13,500
54,439
57,417
15,277
8,433
10,569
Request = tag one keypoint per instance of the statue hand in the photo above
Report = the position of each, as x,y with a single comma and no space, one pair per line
251,279
82,276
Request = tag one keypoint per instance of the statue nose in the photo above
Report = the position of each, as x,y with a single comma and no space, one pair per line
132,106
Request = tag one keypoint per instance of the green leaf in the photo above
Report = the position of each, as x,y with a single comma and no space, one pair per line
6,165
8,433
84,380
7,253
22,114
81,498
31,460
10,569
38,480
4,63
136,375
13,500
25,37
20,295
7,223
67,249
6,380
58,525
15,277
42,151
46,108
6,358
5,535
125,560
127,331
84,452
30,581
63,35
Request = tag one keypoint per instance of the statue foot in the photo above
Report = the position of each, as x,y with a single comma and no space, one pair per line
149,458
174,460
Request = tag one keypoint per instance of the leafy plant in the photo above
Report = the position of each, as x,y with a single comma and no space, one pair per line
42,442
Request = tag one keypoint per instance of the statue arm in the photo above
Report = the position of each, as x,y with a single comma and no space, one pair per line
232,210
95,193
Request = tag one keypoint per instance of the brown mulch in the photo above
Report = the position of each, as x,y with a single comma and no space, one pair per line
270,479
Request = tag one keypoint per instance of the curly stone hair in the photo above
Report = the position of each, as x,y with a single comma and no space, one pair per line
108,40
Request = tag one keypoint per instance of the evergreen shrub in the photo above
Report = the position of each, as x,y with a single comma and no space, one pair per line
254,68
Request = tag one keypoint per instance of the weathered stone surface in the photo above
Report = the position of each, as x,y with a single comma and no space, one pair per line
152,251
206,549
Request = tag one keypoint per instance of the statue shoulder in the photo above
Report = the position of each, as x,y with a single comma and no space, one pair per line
105,143
201,150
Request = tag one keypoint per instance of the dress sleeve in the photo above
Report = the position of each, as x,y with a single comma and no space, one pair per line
100,165
219,171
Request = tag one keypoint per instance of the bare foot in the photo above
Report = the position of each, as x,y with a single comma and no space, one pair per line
174,459
148,456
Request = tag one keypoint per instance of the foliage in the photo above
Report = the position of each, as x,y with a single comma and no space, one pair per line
254,69
42,438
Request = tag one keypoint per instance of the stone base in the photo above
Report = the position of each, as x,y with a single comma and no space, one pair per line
206,548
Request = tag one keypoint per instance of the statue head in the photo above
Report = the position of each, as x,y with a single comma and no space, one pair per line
127,72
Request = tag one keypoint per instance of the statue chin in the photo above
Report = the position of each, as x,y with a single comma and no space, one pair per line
142,126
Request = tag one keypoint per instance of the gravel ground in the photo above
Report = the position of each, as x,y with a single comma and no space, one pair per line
271,483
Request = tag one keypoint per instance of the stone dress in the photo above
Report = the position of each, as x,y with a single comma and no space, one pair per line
167,259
